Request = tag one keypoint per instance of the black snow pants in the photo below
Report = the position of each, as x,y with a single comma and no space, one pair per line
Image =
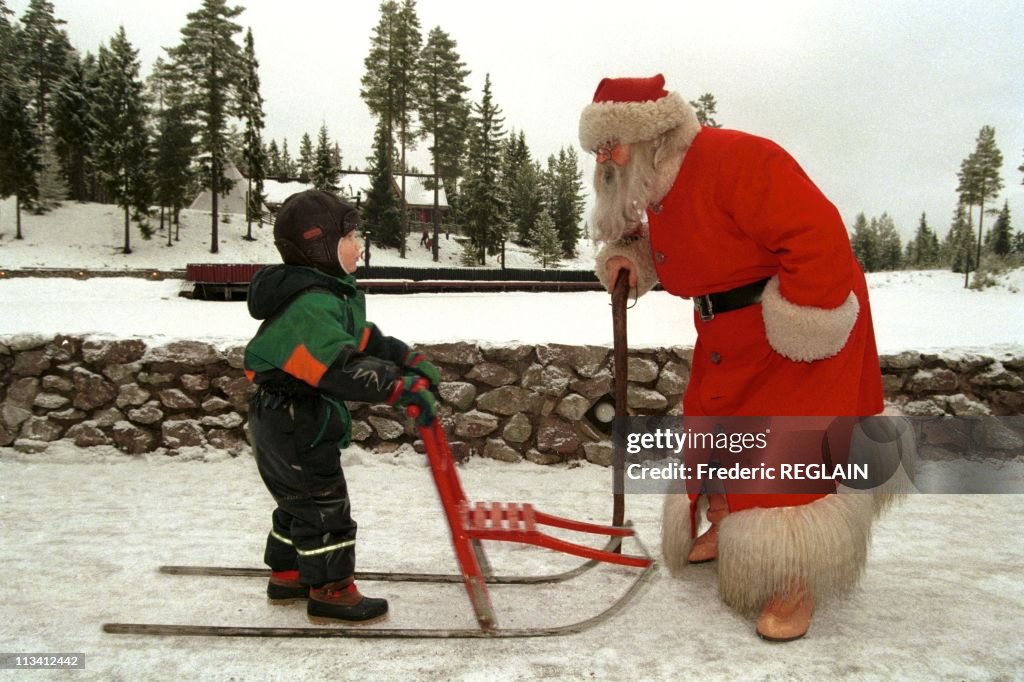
295,438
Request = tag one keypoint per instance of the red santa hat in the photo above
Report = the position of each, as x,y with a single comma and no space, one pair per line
628,110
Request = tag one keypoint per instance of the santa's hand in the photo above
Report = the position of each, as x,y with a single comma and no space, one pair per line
616,264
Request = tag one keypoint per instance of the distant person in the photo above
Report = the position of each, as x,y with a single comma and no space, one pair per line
314,350
425,239
783,324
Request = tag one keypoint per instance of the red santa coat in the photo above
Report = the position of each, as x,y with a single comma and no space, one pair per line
742,210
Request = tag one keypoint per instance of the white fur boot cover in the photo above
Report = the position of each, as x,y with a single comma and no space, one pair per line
676,539
823,544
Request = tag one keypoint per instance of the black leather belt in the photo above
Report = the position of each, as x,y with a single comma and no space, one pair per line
709,305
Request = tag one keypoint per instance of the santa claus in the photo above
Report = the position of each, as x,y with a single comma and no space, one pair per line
732,222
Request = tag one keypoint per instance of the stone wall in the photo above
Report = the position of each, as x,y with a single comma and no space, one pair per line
509,403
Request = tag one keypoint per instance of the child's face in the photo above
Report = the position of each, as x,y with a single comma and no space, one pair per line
350,250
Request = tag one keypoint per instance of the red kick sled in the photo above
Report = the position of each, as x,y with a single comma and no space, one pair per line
470,523
513,522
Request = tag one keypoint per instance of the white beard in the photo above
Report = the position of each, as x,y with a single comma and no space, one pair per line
622,193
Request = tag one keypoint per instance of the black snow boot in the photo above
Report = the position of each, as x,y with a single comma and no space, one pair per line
341,601
284,587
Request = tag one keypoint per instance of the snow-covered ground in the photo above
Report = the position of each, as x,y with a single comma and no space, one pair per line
84,533
84,530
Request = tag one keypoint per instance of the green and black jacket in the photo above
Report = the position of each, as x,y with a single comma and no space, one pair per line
315,331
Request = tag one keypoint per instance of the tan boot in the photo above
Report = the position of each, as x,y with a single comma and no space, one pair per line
786,616
705,547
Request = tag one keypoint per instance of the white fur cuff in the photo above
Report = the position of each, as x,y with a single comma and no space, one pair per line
806,333
638,251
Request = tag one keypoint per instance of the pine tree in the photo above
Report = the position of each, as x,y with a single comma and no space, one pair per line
305,157
325,173
6,14
378,86
923,249
567,206
483,206
175,148
43,52
547,247
252,143
72,128
93,177
123,149
389,86
52,187
213,66
1002,233
444,113
273,155
521,180
979,180
288,167
890,250
19,142
958,247
706,107
864,242
19,145
380,213
336,158
1018,242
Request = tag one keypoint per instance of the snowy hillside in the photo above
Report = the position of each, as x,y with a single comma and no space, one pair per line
92,236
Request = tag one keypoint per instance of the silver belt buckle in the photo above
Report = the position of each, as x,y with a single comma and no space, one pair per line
702,304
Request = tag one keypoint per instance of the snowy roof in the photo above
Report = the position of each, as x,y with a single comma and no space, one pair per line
233,202
277,191
416,193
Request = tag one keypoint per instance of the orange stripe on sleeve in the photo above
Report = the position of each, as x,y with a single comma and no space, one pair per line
365,340
303,365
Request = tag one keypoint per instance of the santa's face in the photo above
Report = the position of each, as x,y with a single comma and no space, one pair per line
613,152
622,183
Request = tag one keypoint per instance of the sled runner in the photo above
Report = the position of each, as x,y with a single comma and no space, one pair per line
470,524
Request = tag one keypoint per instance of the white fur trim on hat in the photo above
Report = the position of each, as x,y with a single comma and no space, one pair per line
629,122
806,333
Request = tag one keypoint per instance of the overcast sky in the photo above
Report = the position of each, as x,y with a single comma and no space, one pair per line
879,101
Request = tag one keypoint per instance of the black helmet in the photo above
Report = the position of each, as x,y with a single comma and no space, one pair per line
309,226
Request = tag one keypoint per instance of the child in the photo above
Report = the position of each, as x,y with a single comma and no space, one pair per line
314,350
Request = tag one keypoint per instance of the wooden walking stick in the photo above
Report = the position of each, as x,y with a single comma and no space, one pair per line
620,350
